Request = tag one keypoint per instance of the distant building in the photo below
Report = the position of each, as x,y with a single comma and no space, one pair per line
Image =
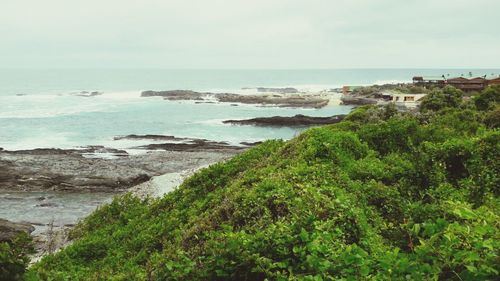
426,81
406,100
495,81
462,83
468,85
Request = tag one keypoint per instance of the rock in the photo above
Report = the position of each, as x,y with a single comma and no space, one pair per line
294,121
278,90
356,100
9,230
73,170
149,137
88,94
47,205
192,145
304,101
250,143
291,99
175,95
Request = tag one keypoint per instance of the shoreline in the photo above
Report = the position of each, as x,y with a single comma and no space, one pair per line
53,189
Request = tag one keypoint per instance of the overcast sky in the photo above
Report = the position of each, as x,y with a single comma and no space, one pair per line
250,33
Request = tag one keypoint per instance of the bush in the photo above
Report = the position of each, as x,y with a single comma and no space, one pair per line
488,98
439,99
379,196
14,257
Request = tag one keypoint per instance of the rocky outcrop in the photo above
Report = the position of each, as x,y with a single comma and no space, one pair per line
294,121
287,90
74,170
9,230
196,145
285,97
357,100
150,137
175,95
87,94
180,144
295,100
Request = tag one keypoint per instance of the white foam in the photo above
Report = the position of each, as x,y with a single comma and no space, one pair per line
54,105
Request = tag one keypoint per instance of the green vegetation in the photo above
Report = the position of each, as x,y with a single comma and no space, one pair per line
382,195
375,90
14,257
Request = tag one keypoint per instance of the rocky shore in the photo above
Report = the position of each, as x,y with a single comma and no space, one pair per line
9,230
281,97
52,188
82,169
293,121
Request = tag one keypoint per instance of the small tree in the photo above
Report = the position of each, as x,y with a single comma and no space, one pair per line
441,98
488,98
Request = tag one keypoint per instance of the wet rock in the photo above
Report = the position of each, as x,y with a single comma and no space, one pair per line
149,137
48,204
192,145
179,144
9,230
294,121
88,94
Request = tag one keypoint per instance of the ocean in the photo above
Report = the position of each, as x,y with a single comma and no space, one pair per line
41,108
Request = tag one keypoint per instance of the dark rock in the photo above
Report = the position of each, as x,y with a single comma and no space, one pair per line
250,143
191,145
294,121
9,230
47,205
88,94
149,137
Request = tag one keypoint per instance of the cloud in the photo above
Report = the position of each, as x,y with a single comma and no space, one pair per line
249,34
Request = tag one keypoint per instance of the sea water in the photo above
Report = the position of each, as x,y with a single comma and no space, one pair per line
42,108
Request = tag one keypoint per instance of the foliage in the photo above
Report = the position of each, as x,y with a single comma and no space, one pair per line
488,98
380,196
439,99
14,257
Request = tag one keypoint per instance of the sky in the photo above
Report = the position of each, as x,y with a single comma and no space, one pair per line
253,34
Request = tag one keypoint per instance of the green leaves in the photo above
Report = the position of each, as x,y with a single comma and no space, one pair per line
14,257
382,196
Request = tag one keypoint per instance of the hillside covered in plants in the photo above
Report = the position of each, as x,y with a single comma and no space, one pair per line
383,195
